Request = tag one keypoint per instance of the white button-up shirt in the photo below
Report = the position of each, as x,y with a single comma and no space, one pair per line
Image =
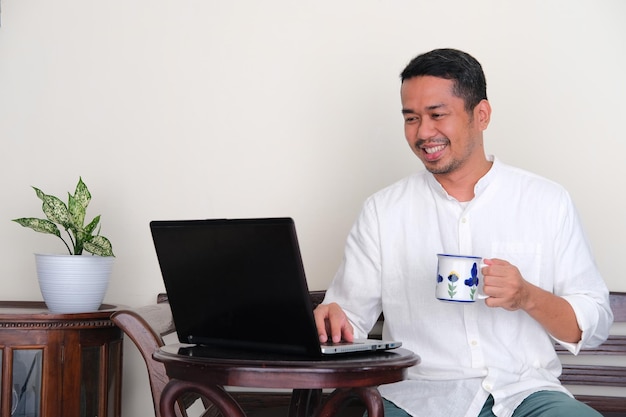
469,350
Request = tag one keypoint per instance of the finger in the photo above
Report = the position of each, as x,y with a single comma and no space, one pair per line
337,323
348,332
321,319
340,327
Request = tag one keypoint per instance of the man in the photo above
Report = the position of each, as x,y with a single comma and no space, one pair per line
492,357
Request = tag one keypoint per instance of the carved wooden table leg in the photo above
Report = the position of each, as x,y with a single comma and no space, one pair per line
304,402
216,394
370,396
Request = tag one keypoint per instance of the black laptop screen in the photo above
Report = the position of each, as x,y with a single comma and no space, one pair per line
237,284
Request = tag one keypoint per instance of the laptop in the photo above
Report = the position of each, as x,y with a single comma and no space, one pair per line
239,285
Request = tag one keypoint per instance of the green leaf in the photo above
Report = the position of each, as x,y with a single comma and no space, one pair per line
76,211
99,245
92,226
54,209
39,225
40,193
82,194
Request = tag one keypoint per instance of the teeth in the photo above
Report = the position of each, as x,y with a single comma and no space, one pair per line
434,149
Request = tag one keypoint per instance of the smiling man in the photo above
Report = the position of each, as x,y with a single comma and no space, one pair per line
444,134
492,357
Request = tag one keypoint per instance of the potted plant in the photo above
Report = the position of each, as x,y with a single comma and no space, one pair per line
72,283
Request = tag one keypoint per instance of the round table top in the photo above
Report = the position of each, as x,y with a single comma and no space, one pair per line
220,367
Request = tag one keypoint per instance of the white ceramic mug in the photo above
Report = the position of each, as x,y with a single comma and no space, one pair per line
459,278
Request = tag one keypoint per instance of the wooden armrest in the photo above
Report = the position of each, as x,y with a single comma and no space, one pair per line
146,326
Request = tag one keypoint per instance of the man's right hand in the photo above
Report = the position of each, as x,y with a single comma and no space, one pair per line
331,321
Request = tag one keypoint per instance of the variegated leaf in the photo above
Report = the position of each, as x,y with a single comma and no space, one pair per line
76,211
99,245
92,226
82,194
54,209
39,225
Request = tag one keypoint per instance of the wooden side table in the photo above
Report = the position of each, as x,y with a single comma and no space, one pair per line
204,372
59,365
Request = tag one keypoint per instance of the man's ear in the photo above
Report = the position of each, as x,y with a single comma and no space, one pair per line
482,114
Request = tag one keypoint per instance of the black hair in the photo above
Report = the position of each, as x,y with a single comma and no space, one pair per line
462,68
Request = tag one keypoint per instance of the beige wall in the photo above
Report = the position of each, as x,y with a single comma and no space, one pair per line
194,109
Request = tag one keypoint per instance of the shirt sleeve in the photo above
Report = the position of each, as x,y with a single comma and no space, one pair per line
357,284
579,282
594,322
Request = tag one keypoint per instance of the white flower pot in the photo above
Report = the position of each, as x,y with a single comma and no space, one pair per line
73,283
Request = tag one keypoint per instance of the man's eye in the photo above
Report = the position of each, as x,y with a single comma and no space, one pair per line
410,119
437,115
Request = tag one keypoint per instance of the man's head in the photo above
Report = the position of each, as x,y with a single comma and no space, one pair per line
451,64
445,111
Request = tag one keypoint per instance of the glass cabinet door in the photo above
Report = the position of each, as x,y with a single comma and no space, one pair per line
26,384
100,379
90,381
114,379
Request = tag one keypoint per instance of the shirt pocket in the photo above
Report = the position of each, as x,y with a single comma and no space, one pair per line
526,256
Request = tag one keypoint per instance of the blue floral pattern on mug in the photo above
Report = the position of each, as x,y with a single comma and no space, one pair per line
453,278
472,281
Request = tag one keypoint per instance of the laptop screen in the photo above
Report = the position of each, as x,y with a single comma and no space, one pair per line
237,284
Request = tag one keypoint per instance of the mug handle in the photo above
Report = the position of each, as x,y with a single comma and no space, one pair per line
480,295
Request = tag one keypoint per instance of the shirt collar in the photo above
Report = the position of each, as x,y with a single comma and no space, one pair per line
481,184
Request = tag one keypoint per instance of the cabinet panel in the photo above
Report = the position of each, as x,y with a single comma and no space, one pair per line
26,382
56,365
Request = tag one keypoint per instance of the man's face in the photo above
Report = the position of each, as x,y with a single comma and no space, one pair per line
443,135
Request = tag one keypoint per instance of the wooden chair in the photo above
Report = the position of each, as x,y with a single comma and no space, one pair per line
146,326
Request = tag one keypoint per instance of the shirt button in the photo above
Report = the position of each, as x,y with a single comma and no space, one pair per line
464,220
487,386
474,343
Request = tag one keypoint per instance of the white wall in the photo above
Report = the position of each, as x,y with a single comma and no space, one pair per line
198,108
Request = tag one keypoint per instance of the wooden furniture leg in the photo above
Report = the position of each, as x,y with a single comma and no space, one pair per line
304,402
175,388
370,396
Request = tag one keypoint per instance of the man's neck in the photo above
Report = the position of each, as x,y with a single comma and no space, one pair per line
460,184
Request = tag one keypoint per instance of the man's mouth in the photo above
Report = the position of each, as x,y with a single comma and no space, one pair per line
433,149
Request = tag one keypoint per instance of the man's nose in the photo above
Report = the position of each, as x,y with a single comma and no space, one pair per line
426,129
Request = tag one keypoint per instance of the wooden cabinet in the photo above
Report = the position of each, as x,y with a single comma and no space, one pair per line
59,365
